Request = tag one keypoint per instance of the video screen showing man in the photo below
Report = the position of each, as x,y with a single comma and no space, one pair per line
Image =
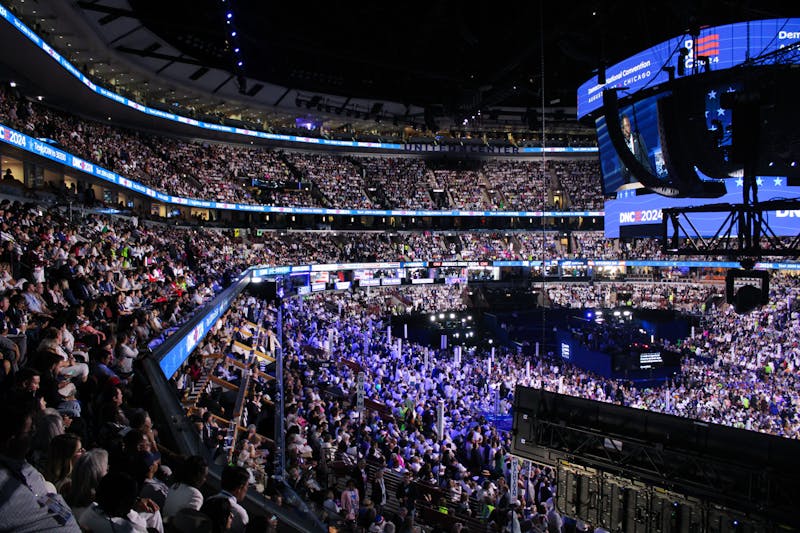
638,124
637,146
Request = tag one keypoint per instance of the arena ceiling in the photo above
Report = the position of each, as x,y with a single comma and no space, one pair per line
433,52
370,66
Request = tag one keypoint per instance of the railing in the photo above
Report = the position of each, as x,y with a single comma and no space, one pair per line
187,440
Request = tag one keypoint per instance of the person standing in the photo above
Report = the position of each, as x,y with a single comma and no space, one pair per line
379,491
635,143
350,501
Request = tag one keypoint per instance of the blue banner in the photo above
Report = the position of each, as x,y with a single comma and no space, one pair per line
173,359
628,209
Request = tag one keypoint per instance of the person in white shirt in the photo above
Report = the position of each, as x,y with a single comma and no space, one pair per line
185,493
234,483
113,509
126,355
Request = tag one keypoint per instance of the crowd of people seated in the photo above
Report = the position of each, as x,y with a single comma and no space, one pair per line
224,172
327,246
594,245
580,180
468,189
81,301
684,297
464,473
403,180
537,245
496,246
79,305
337,177
517,185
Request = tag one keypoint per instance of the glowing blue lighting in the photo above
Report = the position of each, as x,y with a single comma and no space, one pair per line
240,63
230,15
233,34
236,50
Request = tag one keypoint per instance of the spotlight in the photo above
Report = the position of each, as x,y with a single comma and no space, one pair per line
229,15
236,50
233,34
452,316
433,318
441,316
12,84
239,63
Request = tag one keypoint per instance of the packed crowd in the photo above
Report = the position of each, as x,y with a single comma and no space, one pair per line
684,297
79,306
463,474
468,188
580,180
518,185
538,245
297,247
491,245
225,172
467,466
337,177
756,363
595,245
404,181
80,302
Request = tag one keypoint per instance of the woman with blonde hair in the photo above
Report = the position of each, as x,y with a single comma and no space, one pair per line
65,450
89,469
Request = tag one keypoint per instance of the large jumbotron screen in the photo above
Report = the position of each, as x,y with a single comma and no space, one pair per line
724,46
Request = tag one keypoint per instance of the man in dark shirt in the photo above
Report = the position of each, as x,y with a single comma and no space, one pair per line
407,493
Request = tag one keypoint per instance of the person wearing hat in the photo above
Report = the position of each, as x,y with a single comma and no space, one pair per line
377,525
147,464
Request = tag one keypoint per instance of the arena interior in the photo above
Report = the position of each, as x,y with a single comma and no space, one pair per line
379,269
